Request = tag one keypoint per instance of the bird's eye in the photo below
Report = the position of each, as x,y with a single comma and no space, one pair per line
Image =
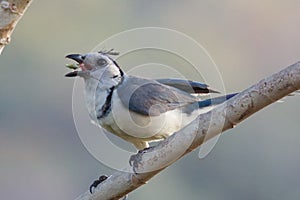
101,62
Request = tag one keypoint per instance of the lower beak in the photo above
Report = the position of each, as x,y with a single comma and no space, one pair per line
72,74
76,73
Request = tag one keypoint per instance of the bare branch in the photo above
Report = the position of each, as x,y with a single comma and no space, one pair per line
11,11
210,124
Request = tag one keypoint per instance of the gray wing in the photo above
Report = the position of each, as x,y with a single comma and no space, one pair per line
187,85
149,97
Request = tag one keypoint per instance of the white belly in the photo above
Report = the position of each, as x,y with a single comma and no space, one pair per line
140,129
123,121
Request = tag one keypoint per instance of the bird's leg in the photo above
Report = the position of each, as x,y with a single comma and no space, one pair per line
136,159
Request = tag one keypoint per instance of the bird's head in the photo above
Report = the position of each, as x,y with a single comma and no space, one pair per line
94,63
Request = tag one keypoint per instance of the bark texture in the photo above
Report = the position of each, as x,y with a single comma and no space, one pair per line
11,11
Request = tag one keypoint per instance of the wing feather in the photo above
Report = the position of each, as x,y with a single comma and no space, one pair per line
187,86
149,97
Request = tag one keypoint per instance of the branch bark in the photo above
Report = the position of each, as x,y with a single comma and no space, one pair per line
11,11
207,125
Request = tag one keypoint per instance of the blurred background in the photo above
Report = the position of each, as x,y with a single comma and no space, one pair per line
41,155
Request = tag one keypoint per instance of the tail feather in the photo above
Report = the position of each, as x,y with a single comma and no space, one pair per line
215,101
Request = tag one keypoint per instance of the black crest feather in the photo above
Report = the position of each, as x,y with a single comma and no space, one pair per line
111,52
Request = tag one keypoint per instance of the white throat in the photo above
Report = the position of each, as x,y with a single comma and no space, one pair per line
98,87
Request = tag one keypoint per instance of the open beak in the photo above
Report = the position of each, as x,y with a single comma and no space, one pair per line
79,59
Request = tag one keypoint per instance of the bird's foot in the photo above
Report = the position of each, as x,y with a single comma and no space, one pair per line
100,180
136,159
97,182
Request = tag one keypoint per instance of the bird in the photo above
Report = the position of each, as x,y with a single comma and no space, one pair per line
137,109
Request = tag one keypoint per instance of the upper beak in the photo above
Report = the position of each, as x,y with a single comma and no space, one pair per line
77,57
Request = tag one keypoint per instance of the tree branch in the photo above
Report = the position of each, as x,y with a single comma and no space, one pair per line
11,11
207,125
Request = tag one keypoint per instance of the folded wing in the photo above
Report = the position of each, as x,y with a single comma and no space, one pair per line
149,97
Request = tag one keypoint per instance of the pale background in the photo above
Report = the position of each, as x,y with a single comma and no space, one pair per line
41,156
